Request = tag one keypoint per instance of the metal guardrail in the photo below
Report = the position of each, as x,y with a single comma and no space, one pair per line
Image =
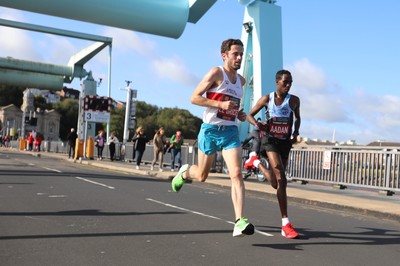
189,153
358,167
375,168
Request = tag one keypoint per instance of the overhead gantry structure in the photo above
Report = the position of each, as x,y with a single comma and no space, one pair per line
24,73
165,18
263,56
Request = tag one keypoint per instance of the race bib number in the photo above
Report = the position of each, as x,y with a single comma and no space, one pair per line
280,127
232,113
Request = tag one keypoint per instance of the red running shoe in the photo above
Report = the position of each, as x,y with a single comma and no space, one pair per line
289,232
248,165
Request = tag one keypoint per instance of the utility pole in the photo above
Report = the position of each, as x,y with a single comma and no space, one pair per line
130,115
127,111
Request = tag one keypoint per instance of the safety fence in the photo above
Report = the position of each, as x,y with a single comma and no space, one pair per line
358,166
123,152
367,167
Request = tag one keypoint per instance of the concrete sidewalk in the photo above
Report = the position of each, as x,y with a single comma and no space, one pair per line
355,200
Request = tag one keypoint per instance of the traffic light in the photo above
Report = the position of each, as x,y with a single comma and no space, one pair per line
98,104
103,104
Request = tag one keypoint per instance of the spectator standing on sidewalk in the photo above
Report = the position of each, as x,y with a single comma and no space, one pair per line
30,140
159,142
100,141
6,141
176,149
139,142
71,138
112,140
38,142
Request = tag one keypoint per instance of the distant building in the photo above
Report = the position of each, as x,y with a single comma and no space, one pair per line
317,142
10,120
68,93
16,122
118,104
383,144
48,95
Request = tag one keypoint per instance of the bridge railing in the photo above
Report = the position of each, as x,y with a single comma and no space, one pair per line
374,168
358,166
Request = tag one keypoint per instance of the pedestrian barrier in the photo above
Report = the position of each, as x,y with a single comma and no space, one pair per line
79,148
367,167
22,145
358,166
90,148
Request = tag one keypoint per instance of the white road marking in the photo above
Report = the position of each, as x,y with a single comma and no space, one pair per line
201,214
51,169
93,182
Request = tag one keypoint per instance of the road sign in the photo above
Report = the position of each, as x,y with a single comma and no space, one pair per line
95,116
134,94
132,123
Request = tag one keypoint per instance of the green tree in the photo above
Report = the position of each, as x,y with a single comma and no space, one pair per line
146,117
151,118
11,95
117,122
40,102
173,119
69,111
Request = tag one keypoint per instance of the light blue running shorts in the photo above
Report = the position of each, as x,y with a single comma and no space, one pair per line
213,138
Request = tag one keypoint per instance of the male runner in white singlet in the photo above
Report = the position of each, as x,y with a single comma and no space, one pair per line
224,89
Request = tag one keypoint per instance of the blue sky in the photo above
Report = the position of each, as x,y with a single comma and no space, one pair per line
344,57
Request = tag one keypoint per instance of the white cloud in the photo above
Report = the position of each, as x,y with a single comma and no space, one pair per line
308,76
16,43
323,108
128,41
175,70
59,49
380,112
172,68
320,99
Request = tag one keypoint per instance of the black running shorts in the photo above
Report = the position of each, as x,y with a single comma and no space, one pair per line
280,146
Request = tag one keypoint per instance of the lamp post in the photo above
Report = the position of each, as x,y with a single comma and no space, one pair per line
130,115
127,111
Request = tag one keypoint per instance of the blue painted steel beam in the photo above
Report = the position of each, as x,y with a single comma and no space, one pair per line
160,17
263,54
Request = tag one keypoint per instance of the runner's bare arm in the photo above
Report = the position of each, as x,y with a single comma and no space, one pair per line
211,80
295,104
263,101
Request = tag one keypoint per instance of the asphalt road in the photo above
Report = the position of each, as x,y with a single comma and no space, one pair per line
53,212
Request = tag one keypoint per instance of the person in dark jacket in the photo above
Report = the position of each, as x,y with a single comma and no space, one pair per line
72,136
139,142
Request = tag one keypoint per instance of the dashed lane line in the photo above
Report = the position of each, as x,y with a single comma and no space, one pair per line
93,182
201,214
51,169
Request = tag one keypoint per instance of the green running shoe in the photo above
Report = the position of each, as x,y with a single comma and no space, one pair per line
178,181
243,227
